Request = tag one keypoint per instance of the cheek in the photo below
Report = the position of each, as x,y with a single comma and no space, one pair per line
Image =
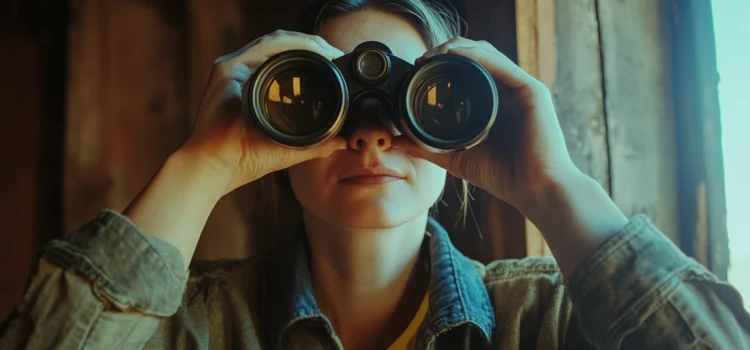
430,180
308,181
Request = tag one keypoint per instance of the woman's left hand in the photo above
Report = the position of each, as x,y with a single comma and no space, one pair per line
525,153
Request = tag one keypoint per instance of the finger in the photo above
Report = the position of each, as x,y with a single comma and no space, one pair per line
444,47
499,65
323,150
257,52
443,160
486,45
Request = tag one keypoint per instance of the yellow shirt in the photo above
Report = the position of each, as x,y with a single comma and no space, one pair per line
406,340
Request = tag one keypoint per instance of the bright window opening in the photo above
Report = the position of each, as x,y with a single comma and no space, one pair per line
733,57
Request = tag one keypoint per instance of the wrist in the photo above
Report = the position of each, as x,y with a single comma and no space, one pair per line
547,196
201,170
575,215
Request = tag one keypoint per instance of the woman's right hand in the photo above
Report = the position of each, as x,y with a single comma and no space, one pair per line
238,151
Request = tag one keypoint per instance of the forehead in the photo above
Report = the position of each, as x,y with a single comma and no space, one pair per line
348,31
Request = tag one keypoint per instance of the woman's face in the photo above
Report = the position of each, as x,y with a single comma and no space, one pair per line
345,189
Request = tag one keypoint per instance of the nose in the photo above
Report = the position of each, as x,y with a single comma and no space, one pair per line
370,135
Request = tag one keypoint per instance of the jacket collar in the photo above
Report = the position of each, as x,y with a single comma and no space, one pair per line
458,295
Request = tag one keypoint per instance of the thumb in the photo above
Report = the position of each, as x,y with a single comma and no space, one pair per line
442,160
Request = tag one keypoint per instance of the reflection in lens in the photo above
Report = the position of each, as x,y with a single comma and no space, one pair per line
442,107
300,101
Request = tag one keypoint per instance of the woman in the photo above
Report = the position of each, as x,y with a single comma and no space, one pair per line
365,275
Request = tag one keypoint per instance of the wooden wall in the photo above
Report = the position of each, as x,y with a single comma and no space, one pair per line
32,120
612,89
104,91
136,71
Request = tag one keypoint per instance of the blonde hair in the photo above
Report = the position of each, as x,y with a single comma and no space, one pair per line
436,21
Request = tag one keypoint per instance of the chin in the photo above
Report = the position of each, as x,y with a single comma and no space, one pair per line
371,213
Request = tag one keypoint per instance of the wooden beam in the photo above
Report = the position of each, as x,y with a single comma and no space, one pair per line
638,107
577,87
702,199
31,114
537,55
126,101
21,119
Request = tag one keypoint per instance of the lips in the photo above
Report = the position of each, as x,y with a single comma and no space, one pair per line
371,176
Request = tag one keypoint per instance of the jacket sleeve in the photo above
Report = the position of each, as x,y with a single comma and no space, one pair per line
104,286
639,291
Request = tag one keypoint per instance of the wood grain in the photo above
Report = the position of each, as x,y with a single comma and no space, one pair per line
638,107
21,118
537,55
126,101
701,195
577,87
214,30
245,222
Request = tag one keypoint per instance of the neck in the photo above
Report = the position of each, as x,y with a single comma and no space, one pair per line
369,283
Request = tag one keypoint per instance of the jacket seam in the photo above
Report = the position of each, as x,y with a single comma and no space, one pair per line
662,292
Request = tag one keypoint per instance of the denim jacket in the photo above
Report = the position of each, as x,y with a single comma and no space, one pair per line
109,286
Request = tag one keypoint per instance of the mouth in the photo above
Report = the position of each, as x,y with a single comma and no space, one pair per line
371,176
370,180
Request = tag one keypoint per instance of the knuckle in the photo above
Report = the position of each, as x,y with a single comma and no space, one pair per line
310,42
221,59
465,50
538,87
458,164
486,44
317,38
265,39
220,69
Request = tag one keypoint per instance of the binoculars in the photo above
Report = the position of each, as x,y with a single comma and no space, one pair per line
299,98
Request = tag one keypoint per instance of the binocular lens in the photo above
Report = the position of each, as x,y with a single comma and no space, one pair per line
450,104
442,107
298,101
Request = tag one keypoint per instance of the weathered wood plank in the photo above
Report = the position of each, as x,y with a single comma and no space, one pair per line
577,87
640,119
537,55
702,198
31,115
126,101
20,120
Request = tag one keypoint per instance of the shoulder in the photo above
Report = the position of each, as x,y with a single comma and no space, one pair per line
214,283
221,304
230,273
530,302
532,281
